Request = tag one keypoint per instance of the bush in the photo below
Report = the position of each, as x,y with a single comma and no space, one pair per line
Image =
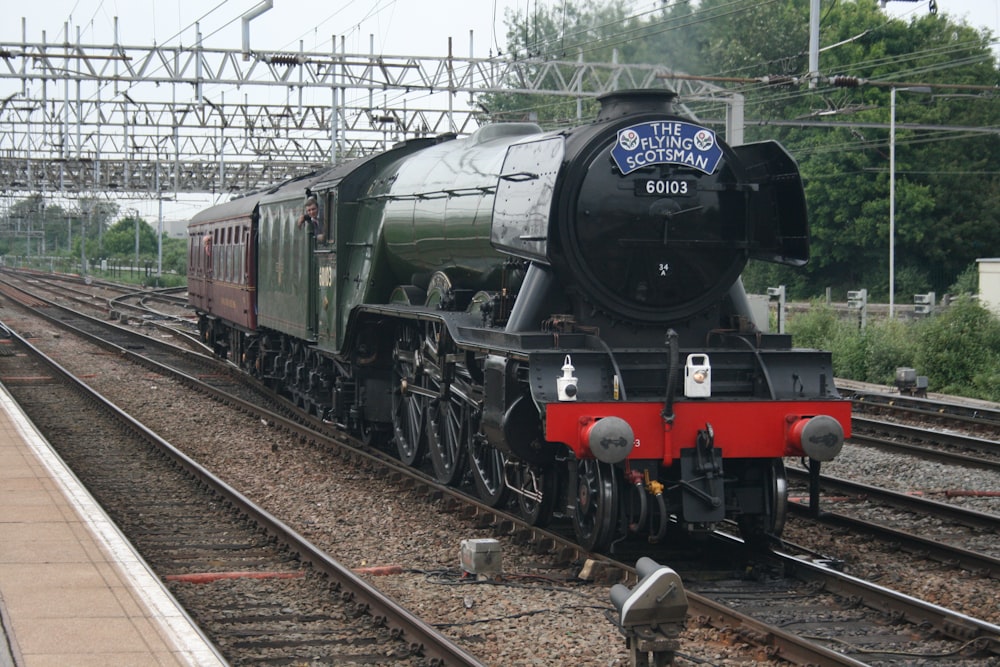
821,328
967,281
165,280
959,350
887,345
816,327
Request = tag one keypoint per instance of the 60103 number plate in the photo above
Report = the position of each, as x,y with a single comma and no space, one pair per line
665,187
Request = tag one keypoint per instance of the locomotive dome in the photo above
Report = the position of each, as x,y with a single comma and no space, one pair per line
629,102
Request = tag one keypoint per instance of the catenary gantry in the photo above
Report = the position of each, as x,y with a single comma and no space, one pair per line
142,120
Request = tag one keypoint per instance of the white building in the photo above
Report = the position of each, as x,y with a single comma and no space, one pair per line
989,283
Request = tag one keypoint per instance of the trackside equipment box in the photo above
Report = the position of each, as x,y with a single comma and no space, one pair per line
481,556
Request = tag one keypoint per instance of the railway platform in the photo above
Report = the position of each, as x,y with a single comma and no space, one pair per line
72,589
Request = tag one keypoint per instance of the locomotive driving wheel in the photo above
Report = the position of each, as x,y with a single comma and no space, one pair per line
537,493
760,529
487,465
409,405
449,429
596,514
450,422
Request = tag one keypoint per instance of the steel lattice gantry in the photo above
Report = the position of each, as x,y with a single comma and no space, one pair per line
140,119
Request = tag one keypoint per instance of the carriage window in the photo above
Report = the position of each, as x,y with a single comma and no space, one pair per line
238,268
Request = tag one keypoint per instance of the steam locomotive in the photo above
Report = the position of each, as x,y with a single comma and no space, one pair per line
555,319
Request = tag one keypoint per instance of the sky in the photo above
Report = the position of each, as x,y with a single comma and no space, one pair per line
388,27
391,27
977,13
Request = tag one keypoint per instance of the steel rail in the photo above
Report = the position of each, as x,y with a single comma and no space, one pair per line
430,642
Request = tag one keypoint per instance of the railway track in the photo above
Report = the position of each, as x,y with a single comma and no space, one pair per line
257,589
163,313
929,443
856,620
802,649
155,352
984,565
922,519
953,535
968,414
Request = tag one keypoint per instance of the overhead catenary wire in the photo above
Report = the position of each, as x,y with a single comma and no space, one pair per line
628,31
752,84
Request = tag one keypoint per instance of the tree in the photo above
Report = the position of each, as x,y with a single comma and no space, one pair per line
60,224
590,30
32,214
120,238
945,190
175,255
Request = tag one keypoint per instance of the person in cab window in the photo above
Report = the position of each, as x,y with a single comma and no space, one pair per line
311,218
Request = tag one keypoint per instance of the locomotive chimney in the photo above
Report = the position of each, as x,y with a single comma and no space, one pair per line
626,102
